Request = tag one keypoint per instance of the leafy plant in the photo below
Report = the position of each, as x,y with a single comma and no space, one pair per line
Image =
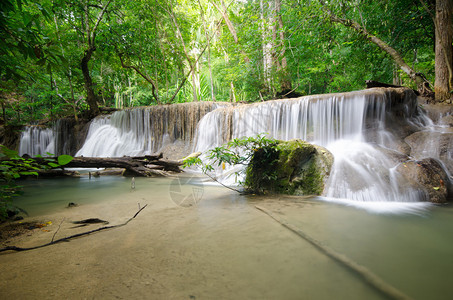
13,167
235,152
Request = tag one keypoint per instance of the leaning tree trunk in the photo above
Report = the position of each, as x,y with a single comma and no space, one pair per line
88,82
444,51
422,83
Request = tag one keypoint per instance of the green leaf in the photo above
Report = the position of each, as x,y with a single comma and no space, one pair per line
9,153
28,173
54,165
64,159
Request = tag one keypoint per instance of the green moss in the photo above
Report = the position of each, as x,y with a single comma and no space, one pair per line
291,167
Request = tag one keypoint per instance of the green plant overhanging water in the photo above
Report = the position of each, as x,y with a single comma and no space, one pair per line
13,167
235,152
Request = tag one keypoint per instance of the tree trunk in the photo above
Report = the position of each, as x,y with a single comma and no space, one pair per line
444,52
223,12
205,27
267,59
90,35
88,82
285,77
4,112
420,80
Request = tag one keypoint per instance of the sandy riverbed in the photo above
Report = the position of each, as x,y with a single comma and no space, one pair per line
223,248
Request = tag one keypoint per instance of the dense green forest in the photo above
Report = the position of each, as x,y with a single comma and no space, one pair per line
64,57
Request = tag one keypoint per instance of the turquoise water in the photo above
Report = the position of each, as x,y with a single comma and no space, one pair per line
48,196
411,250
409,246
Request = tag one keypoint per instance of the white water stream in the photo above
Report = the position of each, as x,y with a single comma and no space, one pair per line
37,141
359,128
340,122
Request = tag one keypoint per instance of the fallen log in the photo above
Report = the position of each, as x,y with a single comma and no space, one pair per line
135,166
372,84
141,166
376,84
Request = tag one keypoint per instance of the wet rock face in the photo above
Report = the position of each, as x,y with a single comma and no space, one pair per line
294,167
10,136
438,145
439,114
429,176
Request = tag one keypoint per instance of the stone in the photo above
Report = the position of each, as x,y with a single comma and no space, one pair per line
433,144
292,167
428,176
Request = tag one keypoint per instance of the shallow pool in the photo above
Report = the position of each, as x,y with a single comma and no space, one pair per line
409,246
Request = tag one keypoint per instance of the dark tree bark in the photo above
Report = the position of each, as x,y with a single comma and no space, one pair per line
88,82
443,86
90,36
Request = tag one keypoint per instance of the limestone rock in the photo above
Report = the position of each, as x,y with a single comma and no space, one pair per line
434,144
429,176
291,167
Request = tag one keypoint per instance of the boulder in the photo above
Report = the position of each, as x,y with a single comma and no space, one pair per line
433,144
429,176
291,167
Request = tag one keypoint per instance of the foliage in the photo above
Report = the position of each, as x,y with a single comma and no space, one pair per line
13,167
171,41
235,152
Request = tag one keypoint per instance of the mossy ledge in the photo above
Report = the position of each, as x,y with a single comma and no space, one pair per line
292,167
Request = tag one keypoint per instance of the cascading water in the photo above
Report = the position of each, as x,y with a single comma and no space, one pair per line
56,140
37,140
318,119
364,168
140,131
368,132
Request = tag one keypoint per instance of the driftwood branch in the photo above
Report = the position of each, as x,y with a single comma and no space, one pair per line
66,239
56,231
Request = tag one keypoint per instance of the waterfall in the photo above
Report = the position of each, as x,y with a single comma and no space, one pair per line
145,130
356,127
318,119
36,140
56,140
369,133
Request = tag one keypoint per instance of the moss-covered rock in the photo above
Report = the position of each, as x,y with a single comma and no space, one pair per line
292,167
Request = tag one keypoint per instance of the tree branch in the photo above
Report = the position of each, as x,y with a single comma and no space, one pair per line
66,239
99,19
136,69
422,84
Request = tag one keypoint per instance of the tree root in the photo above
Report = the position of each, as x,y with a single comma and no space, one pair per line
371,278
66,239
